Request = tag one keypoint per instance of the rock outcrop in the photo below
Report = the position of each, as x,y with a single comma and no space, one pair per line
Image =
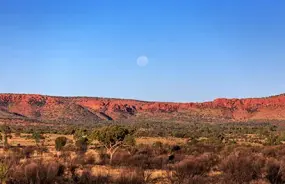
86,109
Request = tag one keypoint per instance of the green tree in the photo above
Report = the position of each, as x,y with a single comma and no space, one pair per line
80,133
6,134
82,145
60,142
112,138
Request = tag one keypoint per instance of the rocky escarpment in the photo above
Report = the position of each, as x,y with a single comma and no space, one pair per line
86,109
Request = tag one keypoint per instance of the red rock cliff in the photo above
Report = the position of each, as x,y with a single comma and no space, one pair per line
48,108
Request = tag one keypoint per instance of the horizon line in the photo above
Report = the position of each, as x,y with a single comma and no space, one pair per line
138,100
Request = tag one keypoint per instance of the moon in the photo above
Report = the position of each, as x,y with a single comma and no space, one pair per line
142,61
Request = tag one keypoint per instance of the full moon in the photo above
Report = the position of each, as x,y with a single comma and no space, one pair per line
142,61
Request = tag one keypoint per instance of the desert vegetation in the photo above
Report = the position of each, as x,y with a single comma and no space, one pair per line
144,153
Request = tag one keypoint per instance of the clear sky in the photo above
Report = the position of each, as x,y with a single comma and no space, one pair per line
196,50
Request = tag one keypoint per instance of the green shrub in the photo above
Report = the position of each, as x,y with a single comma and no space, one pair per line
60,142
82,145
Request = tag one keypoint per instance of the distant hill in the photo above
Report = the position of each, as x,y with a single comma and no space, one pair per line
26,108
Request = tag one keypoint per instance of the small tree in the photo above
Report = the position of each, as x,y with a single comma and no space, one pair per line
80,133
60,142
112,138
82,145
6,133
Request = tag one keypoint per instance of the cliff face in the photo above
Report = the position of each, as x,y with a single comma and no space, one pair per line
82,109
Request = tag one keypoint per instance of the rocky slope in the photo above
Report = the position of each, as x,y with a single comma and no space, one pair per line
39,108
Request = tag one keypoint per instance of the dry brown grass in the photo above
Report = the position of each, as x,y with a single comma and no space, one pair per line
50,138
24,141
164,140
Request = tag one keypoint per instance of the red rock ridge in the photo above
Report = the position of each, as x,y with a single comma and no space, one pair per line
49,108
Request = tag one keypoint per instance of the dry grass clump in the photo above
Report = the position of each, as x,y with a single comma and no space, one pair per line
86,177
275,170
192,169
37,172
132,177
242,167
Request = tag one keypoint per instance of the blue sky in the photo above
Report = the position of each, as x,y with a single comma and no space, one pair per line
197,50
